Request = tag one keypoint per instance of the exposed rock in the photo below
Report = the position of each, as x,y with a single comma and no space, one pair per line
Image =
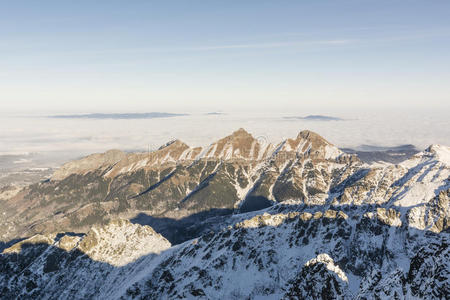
330,226
68,242
319,278
9,191
89,164
389,216
47,239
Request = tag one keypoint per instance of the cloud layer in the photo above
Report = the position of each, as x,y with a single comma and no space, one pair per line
73,137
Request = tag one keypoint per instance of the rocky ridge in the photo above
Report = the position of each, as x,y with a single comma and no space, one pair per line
331,227
237,172
326,254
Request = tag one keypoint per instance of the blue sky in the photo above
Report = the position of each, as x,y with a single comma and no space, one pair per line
91,56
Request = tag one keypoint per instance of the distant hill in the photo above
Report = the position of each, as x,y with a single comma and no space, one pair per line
315,118
370,154
151,115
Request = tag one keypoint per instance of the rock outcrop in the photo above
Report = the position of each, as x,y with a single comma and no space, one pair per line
300,219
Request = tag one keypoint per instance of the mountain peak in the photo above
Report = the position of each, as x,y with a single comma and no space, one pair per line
240,144
312,144
240,132
312,137
173,143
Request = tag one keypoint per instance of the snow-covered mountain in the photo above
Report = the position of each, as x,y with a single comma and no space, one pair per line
237,172
297,220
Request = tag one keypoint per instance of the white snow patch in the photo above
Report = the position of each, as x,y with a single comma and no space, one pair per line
441,152
332,152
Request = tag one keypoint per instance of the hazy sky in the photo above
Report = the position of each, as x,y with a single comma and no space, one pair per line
86,56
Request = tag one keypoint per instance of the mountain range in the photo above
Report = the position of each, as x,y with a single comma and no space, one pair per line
238,219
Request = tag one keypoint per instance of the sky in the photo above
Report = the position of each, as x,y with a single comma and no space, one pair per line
182,56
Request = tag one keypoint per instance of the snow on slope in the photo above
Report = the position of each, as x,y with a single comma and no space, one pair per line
120,242
372,231
267,256
272,255
428,174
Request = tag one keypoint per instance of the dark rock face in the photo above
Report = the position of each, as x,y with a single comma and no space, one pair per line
315,282
429,271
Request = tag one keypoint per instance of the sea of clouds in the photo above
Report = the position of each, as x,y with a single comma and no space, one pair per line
46,140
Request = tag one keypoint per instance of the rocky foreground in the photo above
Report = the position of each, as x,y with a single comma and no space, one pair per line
235,220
